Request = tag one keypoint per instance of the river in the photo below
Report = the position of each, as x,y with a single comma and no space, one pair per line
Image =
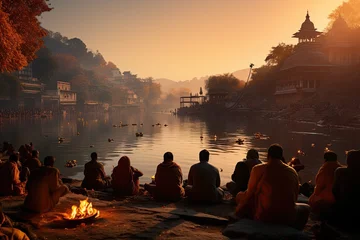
181,136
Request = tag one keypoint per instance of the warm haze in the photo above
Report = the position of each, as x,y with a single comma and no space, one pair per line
180,40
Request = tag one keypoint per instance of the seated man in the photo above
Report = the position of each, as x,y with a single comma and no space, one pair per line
11,183
242,172
33,162
44,188
204,181
346,190
95,177
322,199
168,181
272,193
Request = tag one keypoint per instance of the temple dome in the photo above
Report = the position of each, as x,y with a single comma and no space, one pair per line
307,31
339,26
308,25
306,58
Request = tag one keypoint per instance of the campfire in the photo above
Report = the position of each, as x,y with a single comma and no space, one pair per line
83,212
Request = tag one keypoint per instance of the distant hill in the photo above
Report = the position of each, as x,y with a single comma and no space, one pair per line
194,84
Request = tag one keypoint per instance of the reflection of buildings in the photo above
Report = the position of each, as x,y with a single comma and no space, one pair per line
315,59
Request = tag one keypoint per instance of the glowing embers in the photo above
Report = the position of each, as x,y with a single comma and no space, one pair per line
83,212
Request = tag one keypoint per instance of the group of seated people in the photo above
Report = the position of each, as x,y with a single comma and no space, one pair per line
23,172
266,192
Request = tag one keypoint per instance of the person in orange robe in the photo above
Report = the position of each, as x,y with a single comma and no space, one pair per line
272,193
323,198
125,178
44,188
11,183
168,181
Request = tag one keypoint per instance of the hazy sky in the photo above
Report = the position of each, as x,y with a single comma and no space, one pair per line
182,39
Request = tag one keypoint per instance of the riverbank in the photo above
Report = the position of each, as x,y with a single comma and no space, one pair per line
140,217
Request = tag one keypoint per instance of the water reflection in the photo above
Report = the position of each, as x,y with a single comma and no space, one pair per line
84,134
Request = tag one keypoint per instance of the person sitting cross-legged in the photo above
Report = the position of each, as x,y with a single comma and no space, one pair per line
204,181
323,198
44,188
241,175
168,181
272,193
95,177
125,178
11,182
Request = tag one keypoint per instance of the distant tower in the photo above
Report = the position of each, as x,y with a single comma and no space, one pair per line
307,32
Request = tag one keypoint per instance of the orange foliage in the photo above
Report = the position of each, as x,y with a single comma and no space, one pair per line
21,33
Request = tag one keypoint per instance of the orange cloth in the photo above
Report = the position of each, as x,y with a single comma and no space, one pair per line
12,234
125,178
44,189
271,195
10,179
168,179
94,176
323,196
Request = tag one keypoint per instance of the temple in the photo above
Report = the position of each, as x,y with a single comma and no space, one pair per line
316,59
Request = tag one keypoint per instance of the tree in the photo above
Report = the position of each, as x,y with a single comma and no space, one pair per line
223,83
20,32
350,11
279,54
152,92
81,85
67,67
11,84
44,66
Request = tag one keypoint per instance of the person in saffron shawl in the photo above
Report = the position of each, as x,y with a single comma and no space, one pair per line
168,181
125,178
44,187
322,199
11,183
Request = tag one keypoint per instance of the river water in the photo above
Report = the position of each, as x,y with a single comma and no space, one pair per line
181,136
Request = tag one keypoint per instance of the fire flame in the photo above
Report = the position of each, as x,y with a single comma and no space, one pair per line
84,210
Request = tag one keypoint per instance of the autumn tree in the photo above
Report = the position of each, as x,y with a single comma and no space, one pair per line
350,11
67,67
20,32
223,83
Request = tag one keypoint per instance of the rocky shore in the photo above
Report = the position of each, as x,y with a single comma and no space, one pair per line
140,217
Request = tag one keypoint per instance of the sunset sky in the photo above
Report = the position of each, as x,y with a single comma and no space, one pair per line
182,39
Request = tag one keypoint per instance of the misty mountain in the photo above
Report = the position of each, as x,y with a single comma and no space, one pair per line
195,84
